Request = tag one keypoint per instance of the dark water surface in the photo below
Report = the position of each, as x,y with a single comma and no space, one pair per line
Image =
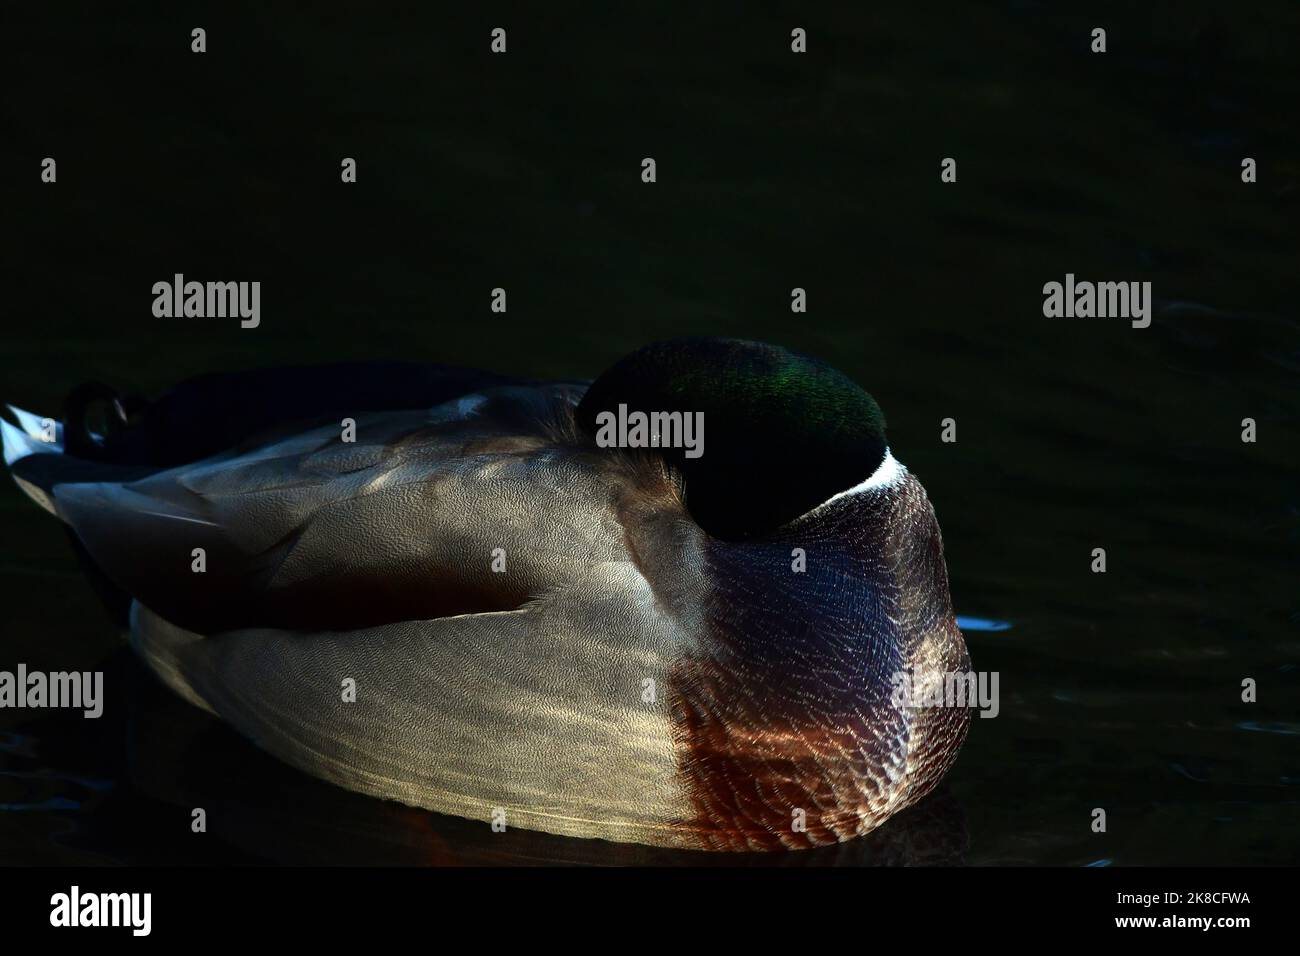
1119,691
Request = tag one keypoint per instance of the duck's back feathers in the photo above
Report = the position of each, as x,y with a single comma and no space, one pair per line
314,531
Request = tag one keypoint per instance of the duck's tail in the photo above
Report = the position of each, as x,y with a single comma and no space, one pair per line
42,452
37,456
32,436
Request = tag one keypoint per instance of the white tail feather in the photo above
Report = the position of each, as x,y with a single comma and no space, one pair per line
39,427
27,441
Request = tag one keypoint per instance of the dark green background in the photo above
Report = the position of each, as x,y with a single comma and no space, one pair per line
775,170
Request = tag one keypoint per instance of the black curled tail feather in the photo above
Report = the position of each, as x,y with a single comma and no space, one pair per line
108,436
210,414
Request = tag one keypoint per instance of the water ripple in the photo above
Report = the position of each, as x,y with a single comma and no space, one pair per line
1270,727
54,803
982,624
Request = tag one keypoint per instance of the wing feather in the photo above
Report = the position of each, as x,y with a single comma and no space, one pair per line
401,524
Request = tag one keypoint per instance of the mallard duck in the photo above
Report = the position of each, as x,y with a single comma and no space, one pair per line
435,586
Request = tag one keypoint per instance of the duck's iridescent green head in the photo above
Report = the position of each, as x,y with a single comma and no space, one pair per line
783,432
